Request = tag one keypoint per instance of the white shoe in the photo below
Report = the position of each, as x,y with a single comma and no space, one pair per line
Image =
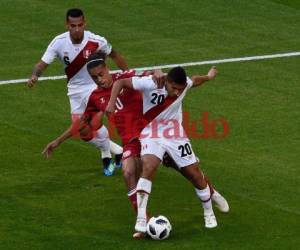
210,220
141,225
220,202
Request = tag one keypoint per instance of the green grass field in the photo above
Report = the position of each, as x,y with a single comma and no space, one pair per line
66,203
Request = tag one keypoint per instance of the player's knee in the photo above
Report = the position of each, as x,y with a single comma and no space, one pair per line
128,172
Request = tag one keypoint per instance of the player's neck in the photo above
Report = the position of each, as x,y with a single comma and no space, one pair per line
77,41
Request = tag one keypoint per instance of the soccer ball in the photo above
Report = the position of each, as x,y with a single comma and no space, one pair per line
159,227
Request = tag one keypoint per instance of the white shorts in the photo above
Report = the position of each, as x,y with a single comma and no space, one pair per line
78,103
180,150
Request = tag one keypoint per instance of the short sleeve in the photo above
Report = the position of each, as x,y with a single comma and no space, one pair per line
104,45
189,82
51,52
143,83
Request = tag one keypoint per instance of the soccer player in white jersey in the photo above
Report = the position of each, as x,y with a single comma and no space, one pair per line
164,133
72,48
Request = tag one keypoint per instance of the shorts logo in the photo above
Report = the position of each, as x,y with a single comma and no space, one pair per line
127,153
86,53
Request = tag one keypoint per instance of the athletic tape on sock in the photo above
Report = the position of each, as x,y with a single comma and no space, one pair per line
144,185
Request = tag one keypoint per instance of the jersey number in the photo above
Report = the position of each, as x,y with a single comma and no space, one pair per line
185,150
119,104
67,60
157,99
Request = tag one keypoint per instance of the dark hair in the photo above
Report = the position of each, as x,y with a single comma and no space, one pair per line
74,13
177,75
95,59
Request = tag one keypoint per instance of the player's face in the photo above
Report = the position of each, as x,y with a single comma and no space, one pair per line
76,26
101,76
174,89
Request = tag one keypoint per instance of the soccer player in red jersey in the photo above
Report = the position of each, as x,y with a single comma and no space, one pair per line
126,119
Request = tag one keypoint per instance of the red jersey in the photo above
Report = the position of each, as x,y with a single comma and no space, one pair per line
128,117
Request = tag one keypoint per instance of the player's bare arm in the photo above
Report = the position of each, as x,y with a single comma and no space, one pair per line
198,80
118,59
116,89
77,127
36,73
159,78
48,150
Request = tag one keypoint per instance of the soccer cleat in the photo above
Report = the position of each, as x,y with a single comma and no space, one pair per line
118,165
109,170
220,202
141,225
210,220
139,235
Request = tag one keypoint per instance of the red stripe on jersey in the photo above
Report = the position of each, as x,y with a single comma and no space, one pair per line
155,111
80,60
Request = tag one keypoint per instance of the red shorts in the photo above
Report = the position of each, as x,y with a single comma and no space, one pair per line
131,149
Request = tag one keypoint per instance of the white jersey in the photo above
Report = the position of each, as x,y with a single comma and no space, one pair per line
74,57
166,119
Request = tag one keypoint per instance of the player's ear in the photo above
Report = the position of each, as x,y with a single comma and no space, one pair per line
67,24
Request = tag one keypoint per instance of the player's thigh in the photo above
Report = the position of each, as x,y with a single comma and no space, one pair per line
150,164
152,153
152,147
129,168
78,102
181,152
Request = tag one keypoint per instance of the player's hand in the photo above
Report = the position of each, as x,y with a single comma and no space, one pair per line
110,108
48,150
159,78
212,73
31,81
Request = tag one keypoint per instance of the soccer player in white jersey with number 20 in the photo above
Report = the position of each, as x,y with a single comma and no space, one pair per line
72,48
164,134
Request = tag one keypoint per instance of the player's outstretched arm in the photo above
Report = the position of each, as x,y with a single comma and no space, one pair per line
198,80
118,60
159,77
36,73
48,150
116,89
76,128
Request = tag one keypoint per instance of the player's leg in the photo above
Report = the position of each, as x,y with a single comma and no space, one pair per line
100,140
219,201
118,152
90,136
131,169
182,153
195,176
152,153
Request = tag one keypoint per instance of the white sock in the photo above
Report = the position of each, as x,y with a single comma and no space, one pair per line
115,148
101,142
143,190
204,195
